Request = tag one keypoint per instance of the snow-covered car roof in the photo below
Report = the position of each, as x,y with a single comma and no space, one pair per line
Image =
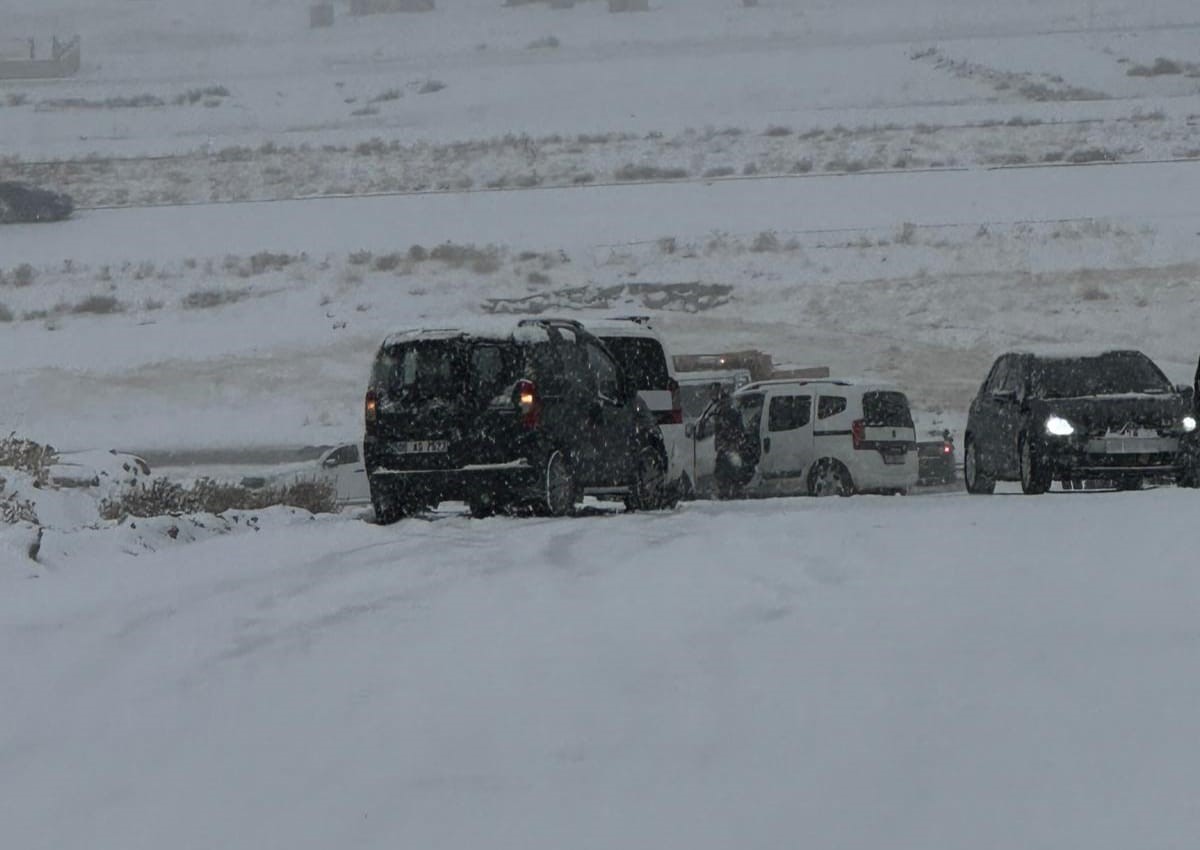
639,326
498,333
856,383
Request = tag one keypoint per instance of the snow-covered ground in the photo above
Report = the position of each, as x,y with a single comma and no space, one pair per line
893,189
943,671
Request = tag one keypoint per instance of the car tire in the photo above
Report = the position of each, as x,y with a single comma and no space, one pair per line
829,477
977,481
483,506
650,491
556,488
1035,476
1188,476
388,508
1131,484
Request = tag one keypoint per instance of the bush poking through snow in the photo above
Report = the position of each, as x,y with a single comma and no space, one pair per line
1161,67
98,305
203,299
23,275
543,43
14,510
164,497
480,260
6,315
631,172
27,456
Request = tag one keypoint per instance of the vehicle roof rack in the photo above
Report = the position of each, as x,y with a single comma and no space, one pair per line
552,323
639,320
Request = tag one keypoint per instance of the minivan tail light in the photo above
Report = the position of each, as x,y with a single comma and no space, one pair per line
858,433
371,408
529,403
676,402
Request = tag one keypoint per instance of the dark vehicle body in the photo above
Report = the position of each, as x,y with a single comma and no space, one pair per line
936,461
533,416
1112,417
22,203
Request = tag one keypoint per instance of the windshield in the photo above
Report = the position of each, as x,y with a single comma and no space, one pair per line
444,369
1108,374
641,359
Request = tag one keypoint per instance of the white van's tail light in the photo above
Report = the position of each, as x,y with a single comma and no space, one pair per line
529,404
858,433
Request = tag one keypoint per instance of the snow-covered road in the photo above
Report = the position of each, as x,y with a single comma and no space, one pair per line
949,672
586,217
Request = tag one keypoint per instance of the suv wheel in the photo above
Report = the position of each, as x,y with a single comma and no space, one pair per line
830,478
388,508
977,482
1035,478
650,491
556,496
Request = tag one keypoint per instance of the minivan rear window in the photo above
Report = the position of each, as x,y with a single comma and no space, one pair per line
641,359
444,369
887,409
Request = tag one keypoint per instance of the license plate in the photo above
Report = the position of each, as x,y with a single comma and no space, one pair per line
423,447
894,458
1136,434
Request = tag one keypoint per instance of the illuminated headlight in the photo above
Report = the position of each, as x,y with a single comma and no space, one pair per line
1189,423
1059,427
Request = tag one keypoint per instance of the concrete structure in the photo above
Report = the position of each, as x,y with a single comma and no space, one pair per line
63,62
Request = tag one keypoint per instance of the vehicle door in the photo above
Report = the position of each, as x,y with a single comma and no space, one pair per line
703,453
990,412
612,418
346,470
786,441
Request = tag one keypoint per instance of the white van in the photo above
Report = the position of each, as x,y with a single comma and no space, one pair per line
817,437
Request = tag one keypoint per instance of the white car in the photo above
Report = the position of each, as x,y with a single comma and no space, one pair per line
817,437
342,466
106,470
643,357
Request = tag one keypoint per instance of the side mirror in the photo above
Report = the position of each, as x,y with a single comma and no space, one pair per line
689,430
329,462
1004,395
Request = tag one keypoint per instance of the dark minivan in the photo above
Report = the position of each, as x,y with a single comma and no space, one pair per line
530,416
1111,417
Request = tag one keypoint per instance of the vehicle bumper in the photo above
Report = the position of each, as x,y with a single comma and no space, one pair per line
1114,456
496,480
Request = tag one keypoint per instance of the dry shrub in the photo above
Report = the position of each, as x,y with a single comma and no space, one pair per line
23,275
99,305
388,262
265,261
203,299
1161,67
14,510
164,497
632,172
6,315
765,243
480,260
27,456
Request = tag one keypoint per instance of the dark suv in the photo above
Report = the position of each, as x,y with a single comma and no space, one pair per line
1111,417
529,417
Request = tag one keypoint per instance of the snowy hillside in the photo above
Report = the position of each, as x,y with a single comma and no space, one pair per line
899,189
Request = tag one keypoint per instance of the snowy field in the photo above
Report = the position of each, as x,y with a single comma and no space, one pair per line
901,190
943,671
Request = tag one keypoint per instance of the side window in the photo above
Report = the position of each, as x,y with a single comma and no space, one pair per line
344,455
999,378
604,371
705,427
751,409
789,412
830,405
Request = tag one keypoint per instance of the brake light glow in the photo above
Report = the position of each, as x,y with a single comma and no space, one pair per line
529,404
947,449
371,408
858,433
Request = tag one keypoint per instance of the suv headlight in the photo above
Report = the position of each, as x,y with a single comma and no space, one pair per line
1189,423
1058,427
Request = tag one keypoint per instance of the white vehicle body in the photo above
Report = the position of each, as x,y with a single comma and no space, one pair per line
343,466
862,428
644,358
107,470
